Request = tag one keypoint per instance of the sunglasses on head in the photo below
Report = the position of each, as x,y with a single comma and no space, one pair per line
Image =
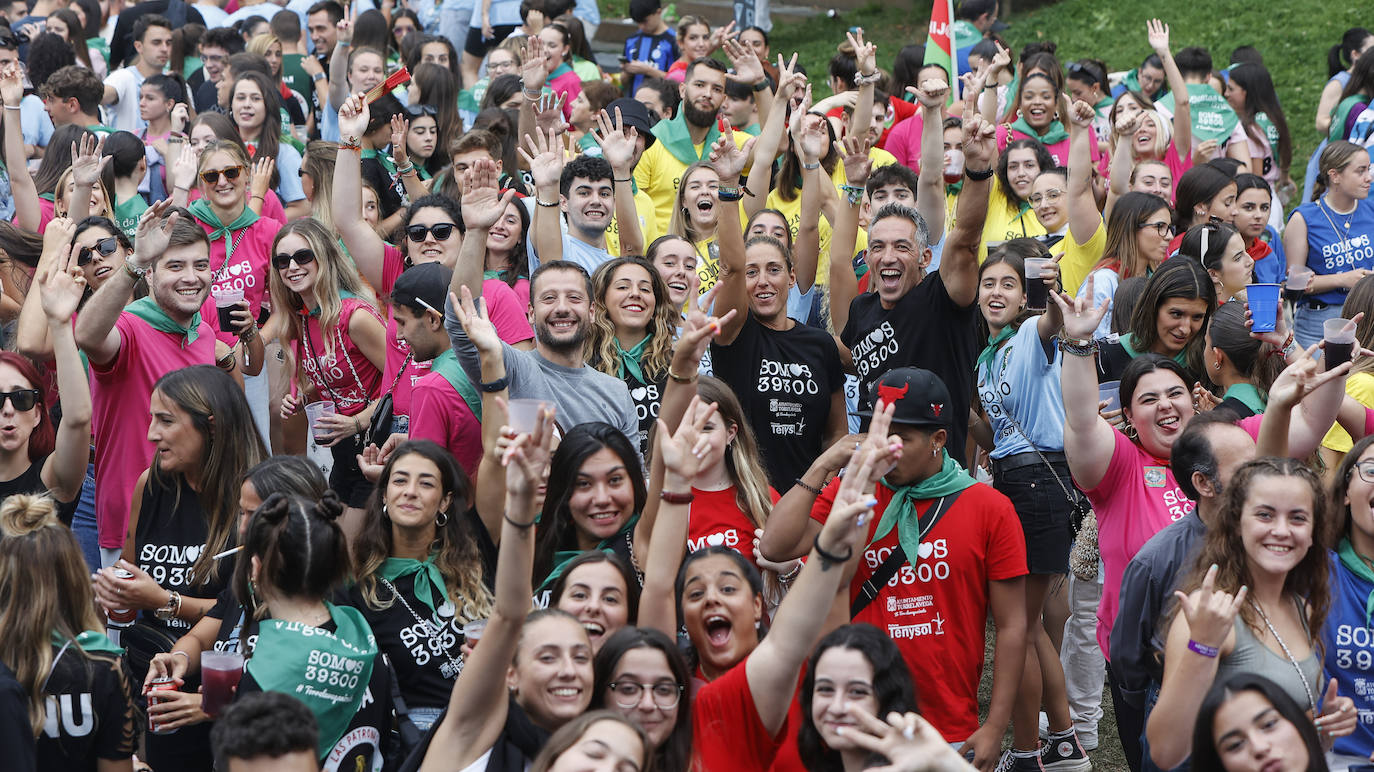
441,231
105,247
415,111
283,261
22,399
211,176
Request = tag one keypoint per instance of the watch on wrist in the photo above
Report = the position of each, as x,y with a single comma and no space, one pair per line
169,611
317,77
761,86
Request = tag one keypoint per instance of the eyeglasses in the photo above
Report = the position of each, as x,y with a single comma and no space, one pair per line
300,257
418,233
1365,468
211,176
105,247
1164,229
1049,196
415,111
25,399
629,693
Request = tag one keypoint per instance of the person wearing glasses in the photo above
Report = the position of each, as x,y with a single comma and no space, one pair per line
1138,232
642,675
1064,205
326,318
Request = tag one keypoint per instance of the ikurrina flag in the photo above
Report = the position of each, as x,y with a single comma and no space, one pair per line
940,42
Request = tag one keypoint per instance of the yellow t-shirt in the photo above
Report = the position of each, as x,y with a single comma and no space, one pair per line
1360,386
1004,222
648,225
1079,259
659,174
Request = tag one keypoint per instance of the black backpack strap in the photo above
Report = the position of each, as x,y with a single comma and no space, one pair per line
870,589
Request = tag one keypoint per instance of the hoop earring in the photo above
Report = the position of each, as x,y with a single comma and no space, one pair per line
441,519
1130,431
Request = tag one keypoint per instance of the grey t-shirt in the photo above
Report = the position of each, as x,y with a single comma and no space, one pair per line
581,394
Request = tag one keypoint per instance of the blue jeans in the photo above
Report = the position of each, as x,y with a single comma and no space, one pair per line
1146,764
84,524
1307,323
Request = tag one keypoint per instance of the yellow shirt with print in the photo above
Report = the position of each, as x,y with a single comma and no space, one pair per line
659,174
1004,222
1360,386
792,211
648,225
1079,259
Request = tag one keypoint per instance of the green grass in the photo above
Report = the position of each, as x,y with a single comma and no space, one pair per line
1293,38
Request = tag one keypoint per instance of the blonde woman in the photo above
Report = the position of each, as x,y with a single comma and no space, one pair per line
696,217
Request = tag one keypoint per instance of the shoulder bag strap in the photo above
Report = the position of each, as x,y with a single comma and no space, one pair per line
870,589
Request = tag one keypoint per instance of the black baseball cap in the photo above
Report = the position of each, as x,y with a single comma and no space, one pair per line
920,396
423,287
634,113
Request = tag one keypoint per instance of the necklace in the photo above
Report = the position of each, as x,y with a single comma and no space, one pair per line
432,630
1311,696
1327,210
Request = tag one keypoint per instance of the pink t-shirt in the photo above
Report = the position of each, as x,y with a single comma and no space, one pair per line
1136,499
332,367
904,142
246,271
439,413
271,205
120,395
569,85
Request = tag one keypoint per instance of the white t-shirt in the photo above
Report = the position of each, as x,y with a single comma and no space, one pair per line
123,115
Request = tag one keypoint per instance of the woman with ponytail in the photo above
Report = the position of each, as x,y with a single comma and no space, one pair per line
294,557
52,639
1340,63
1244,367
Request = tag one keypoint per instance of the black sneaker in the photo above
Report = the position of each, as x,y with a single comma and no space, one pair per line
1064,754
1010,763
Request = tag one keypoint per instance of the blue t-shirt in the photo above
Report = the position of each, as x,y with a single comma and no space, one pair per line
659,50
1349,654
34,122
1022,380
503,13
289,171
1338,242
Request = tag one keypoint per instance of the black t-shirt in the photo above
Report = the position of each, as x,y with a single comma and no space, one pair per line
517,745
91,713
15,736
426,652
377,176
207,97
171,534
924,329
785,381
233,623
647,399
294,111
31,481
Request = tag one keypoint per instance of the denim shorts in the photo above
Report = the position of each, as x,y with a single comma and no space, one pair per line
1044,512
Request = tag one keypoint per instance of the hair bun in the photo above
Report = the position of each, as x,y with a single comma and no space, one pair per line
276,508
24,513
329,506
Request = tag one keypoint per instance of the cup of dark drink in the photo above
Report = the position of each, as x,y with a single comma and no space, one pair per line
1264,306
1295,286
1339,335
227,300
220,672
1037,291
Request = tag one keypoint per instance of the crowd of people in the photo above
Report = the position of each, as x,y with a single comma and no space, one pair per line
491,411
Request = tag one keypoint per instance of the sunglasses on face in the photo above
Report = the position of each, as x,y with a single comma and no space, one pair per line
22,399
283,261
211,176
441,231
105,247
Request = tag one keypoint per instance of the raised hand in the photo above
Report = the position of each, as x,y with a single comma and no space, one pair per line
150,240
721,34
727,159
881,448
400,126
12,84
1126,127
1339,716
353,117
533,70
483,203
184,168
618,143
548,113
181,115
854,151
789,79
1082,114
1157,32
345,25
907,742
794,122
697,331
683,449
1211,613
60,232
545,155
972,84
1081,318
931,92
62,288
865,54
844,528
980,143
744,63
88,161
260,177
476,321
1000,61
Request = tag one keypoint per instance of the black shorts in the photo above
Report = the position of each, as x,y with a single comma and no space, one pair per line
1044,512
478,47
345,478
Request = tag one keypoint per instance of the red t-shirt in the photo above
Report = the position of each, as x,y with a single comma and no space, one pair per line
716,520
935,612
727,734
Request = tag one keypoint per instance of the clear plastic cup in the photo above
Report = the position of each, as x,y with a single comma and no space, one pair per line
1339,335
220,672
1111,392
1037,291
314,411
1295,286
524,412
1264,306
472,631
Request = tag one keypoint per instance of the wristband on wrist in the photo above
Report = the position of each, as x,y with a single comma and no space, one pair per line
681,378
491,387
979,175
317,77
761,86
521,526
809,167
13,107
813,490
135,272
829,559
868,80
1210,652
673,497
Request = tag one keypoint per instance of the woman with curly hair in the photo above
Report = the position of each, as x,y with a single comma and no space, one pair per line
633,325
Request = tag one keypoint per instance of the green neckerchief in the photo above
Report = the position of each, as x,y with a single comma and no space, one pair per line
1212,115
1053,133
630,363
1360,568
561,70
88,640
382,158
754,129
48,197
102,47
901,510
338,665
446,364
1341,114
428,579
1127,341
1248,395
1104,107
127,213
561,557
189,65
99,128
677,138
965,34
149,311
202,211
990,350
1271,132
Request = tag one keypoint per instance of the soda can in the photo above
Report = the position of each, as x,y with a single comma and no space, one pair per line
165,683
122,617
